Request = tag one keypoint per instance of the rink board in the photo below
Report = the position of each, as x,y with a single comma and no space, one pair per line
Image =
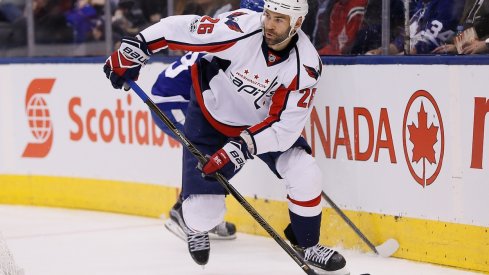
72,142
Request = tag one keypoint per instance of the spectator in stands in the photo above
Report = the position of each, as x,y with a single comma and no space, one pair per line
321,23
432,23
128,19
83,19
310,22
12,24
370,34
344,21
50,22
154,10
475,25
9,11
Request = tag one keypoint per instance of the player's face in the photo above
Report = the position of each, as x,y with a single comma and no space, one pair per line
276,27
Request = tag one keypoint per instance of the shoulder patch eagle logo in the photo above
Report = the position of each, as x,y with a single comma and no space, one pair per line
312,72
231,22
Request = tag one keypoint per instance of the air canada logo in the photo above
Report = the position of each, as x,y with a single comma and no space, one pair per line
423,138
38,118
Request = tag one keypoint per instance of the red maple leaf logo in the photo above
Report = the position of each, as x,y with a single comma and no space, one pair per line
423,139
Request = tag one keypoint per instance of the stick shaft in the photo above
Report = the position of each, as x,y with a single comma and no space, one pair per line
349,222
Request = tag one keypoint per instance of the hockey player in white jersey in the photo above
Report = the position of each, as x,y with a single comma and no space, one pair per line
252,94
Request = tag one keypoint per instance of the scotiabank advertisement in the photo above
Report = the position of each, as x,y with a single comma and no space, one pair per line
403,140
67,120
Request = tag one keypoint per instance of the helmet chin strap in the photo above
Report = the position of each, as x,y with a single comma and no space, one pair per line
292,32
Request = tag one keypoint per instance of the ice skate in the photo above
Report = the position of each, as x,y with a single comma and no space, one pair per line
322,259
198,242
223,231
199,246
176,225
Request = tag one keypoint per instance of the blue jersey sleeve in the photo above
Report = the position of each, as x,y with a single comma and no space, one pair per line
172,91
175,80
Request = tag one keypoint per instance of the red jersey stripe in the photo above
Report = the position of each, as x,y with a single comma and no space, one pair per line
157,45
200,48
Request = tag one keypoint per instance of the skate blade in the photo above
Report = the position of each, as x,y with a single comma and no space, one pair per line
216,237
388,248
343,271
174,228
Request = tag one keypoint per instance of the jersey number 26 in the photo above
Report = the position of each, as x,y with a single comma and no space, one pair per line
206,27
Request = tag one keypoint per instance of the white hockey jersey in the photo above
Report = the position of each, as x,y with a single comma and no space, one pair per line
241,83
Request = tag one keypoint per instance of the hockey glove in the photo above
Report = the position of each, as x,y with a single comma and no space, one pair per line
126,62
235,151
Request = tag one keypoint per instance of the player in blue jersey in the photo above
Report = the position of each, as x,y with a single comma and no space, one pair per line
432,24
472,32
251,96
171,93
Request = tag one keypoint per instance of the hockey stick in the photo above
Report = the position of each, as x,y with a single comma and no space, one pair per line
385,249
222,180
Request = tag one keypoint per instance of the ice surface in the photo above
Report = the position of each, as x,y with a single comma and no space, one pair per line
51,241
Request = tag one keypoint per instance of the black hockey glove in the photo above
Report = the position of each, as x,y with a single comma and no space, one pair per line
126,62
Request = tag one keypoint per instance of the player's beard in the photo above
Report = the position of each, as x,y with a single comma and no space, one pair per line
275,38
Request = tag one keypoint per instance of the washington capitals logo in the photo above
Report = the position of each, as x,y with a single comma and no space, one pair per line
231,22
312,72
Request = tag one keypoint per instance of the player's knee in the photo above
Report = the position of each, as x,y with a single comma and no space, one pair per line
203,212
303,181
307,180
301,173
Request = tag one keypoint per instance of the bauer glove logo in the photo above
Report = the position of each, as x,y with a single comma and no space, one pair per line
134,55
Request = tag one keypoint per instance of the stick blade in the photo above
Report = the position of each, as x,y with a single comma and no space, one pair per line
388,248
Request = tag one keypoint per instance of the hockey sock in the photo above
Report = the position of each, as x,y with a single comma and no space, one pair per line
303,230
